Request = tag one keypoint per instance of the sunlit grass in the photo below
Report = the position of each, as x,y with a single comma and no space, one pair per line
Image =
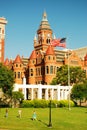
62,119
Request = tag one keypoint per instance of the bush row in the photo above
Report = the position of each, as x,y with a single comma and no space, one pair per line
45,103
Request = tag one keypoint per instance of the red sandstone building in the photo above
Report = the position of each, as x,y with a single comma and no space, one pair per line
42,65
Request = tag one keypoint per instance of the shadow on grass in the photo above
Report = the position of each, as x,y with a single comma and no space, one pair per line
40,121
43,122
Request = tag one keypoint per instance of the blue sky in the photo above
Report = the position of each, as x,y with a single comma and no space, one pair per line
67,18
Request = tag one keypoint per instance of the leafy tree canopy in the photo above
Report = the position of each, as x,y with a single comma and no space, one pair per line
79,92
6,79
16,95
76,75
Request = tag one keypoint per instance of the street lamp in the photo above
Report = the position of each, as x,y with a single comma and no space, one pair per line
68,80
50,123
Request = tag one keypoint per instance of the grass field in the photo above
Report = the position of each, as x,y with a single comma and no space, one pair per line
62,119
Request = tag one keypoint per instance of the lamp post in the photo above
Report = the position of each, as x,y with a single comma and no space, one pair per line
68,81
50,122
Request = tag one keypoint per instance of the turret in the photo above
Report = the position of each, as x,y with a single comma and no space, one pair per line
3,22
18,70
44,34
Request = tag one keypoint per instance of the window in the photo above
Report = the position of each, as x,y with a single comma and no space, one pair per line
15,75
33,61
51,69
48,41
16,65
48,57
18,74
53,58
31,72
47,70
54,69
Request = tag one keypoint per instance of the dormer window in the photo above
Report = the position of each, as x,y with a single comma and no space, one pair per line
16,65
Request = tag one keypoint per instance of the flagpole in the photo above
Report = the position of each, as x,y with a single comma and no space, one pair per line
68,80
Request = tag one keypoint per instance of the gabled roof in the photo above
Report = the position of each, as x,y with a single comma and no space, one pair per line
50,50
6,62
33,55
18,59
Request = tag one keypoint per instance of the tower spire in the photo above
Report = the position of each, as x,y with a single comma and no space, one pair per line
3,22
44,16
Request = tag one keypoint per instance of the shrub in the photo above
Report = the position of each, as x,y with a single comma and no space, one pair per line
42,103
65,103
27,103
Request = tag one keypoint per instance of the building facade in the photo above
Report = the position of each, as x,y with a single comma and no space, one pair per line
3,22
44,61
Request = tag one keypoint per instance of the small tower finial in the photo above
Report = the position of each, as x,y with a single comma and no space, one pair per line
44,16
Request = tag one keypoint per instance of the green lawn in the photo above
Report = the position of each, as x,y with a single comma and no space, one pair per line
62,119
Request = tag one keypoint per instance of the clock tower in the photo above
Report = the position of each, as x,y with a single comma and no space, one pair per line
44,35
3,22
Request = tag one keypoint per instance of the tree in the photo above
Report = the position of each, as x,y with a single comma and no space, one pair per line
79,92
6,79
54,81
76,75
85,87
17,97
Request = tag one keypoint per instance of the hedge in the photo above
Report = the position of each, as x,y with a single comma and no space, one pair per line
45,103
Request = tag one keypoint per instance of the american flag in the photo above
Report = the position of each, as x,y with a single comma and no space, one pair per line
59,42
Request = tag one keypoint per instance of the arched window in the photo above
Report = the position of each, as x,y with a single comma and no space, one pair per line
15,75
18,74
51,69
16,65
48,57
47,69
53,58
54,69
48,40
